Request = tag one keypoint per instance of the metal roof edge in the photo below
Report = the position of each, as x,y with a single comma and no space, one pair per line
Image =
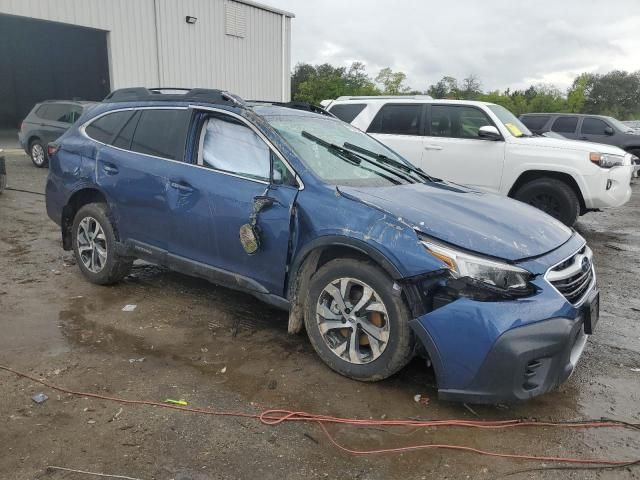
262,6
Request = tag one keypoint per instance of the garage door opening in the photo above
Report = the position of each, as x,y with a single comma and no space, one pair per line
42,60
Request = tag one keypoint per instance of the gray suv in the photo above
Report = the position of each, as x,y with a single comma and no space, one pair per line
592,128
45,123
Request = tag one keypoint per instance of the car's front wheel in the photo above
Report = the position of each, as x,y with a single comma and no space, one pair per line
553,197
94,246
38,154
357,320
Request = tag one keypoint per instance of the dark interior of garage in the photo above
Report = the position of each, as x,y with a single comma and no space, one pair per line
34,67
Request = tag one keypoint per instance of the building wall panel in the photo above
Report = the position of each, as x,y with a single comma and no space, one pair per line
179,54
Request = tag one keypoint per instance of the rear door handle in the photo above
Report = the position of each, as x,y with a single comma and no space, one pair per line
181,186
432,147
110,169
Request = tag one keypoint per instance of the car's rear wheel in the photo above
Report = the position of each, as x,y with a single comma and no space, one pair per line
357,321
94,246
38,154
553,197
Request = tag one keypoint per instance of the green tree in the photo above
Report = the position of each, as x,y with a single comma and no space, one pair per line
616,93
393,83
471,88
357,82
576,95
447,87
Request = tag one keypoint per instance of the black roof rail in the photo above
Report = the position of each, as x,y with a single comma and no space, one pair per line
204,95
307,107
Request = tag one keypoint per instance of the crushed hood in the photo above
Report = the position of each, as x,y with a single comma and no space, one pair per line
485,223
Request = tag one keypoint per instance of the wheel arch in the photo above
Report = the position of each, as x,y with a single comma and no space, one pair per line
79,198
530,175
317,253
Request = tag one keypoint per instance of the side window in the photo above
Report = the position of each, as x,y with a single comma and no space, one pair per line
347,111
59,112
106,127
76,113
125,136
280,174
161,133
397,119
41,111
457,121
230,146
565,125
593,126
535,122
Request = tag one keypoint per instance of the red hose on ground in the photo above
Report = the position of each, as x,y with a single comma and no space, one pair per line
278,416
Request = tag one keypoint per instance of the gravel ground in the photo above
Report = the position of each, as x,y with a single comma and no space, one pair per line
216,348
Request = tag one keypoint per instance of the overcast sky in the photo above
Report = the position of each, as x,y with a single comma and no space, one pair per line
505,43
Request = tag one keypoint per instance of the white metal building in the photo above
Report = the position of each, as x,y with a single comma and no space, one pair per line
85,48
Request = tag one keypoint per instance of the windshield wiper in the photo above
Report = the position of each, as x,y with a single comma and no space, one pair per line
388,161
354,157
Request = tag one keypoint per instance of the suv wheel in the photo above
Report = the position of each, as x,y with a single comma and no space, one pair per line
357,323
552,196
94,246
38,154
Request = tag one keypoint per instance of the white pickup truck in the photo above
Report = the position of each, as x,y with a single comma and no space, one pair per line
484,146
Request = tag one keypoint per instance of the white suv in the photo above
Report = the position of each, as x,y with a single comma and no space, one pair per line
483,145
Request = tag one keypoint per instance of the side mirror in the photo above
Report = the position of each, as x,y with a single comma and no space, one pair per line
609,131
489,132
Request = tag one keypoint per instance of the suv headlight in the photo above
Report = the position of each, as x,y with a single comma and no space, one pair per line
606,160
490,272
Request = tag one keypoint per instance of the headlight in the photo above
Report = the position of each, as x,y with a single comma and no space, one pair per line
497,274
606,160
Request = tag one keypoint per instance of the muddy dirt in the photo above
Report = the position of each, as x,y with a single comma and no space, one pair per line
216,348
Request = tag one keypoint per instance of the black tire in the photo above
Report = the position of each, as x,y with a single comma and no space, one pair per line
115,267
553,197
399,347
636,152
39,157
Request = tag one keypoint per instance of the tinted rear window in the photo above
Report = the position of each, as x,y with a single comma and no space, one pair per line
565,125
398,119
161,133
105,128
347,111
535,122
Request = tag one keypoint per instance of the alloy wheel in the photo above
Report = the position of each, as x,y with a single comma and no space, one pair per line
37,153
353,320
92,244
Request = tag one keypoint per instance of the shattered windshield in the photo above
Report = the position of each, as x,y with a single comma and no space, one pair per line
330,164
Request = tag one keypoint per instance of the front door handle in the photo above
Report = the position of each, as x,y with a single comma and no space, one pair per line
584,138
110,169
181,186
432,147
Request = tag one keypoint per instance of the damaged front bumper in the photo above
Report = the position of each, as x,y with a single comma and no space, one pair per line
505,350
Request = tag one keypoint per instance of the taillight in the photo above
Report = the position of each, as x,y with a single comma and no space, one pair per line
22,126
52,149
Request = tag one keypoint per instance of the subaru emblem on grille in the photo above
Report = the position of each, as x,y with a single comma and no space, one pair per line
585,264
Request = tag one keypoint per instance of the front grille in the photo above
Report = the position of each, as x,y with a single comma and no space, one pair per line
575,276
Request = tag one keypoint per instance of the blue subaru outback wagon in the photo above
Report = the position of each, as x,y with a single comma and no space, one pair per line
375,259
